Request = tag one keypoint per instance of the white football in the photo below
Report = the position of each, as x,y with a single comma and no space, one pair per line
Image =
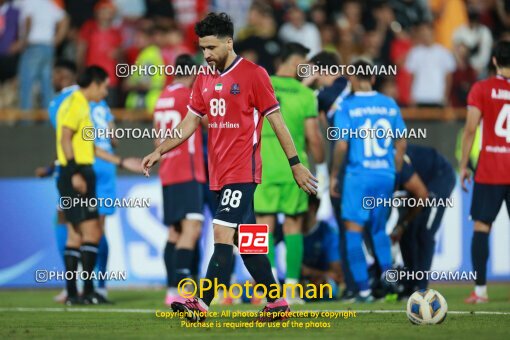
426,307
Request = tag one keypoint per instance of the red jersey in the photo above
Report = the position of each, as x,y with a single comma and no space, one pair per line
101,44
235,102
492,98
186,162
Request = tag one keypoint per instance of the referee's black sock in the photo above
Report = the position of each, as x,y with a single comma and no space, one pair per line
168,256
71,259
88,261
260,269
219,268
479,256
183,259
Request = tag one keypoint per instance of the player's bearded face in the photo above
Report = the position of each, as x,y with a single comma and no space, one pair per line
215,50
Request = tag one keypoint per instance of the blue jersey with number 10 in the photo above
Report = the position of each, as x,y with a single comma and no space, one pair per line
371,150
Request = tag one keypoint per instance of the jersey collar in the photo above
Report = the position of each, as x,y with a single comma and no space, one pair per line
365,93
499,76
231,66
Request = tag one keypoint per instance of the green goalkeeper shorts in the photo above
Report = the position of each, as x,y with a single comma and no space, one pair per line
286,198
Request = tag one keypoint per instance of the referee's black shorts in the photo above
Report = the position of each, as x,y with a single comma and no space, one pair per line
77,213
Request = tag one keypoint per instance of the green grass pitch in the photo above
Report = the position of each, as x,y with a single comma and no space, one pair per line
33,314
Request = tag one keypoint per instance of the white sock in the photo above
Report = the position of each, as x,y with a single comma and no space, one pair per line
172,291
365,293
291,281
481,291
275,274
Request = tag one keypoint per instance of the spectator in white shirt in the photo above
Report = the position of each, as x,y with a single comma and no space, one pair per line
44,26
431,66
296,29
478,39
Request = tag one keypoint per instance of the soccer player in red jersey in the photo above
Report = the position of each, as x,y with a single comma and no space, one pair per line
235,98
182,174
488,100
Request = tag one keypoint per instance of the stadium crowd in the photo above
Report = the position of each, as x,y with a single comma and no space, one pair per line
417,36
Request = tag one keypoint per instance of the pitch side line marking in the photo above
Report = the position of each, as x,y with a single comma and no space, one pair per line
148,311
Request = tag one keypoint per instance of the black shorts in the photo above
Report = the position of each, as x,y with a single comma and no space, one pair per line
183,201
487,200
75,214
235,205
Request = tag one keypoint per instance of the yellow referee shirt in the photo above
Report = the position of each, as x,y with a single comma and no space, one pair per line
74,113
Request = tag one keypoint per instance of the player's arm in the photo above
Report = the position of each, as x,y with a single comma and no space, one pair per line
131,163
335,271
448,86
188,126
45,171
474,116
338,157
61,30
400,150
302,175
418,190
314,139
316,147
157,141
113,140
70,170
66,142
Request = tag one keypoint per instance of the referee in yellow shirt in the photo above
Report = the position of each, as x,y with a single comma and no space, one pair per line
76,182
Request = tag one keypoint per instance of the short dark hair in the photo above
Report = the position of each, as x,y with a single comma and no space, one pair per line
293,48
502,53
217,24
67,65
326,58
364,65
185,63
92,74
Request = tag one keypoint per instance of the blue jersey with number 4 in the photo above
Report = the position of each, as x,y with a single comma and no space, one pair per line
372,150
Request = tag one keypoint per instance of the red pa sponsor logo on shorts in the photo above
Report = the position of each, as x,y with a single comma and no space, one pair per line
253,239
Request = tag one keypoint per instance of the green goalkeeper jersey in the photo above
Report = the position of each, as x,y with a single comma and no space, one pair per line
297,103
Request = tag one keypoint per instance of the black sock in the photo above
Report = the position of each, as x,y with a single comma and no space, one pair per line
260,269
479,256
71,259
219,268
183,259
168,256
195,264
88,261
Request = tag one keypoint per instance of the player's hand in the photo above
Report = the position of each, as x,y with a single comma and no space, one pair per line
333,187
79,183
41,172
465,174
397,233
304,179
133,164
149,161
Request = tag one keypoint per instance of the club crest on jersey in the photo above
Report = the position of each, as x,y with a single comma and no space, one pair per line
218,87
235,89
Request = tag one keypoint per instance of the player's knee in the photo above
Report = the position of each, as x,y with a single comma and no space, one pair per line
191,230
292,225
223,234
482,227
